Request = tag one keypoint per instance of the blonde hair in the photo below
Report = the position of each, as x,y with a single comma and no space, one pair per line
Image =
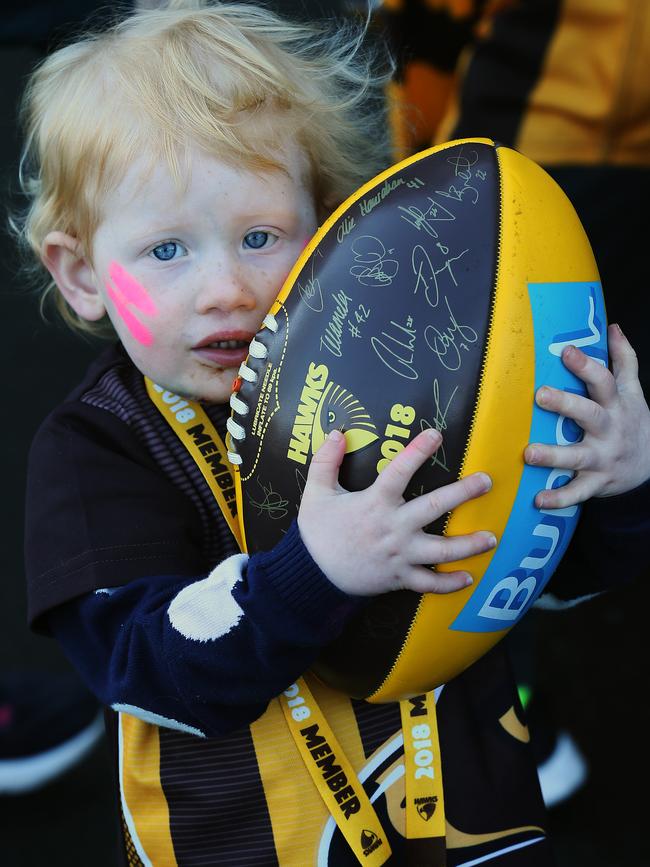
195,73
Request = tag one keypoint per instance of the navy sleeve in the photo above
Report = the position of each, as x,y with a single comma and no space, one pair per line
100,513
206,655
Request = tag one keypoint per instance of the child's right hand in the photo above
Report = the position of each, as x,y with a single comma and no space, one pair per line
372,541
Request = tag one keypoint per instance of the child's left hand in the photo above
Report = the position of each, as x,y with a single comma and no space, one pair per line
614,454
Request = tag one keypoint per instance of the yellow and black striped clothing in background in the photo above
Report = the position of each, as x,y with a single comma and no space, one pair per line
563,81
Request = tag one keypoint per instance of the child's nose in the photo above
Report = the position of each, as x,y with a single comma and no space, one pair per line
225,288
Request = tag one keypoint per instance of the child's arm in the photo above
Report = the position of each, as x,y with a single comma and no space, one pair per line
613,456
372,541
206,654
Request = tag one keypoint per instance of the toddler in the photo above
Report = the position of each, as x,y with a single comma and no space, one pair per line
176,164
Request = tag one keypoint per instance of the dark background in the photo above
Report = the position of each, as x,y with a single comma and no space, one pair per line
592,661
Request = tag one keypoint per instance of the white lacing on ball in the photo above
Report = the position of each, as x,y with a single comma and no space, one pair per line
247,373
257,349
234,458
235,430
238,404
271,322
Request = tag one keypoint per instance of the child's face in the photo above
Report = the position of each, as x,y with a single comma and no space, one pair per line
187,277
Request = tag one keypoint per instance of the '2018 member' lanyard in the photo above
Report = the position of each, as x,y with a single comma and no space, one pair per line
329,768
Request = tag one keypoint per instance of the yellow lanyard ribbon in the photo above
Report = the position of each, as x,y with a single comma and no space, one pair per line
425,806
190,423
334,776
324,759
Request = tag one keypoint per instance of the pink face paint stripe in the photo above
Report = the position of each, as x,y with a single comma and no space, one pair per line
138,331
134,293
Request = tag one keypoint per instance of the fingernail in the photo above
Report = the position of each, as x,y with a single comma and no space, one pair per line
468,580
486,480
335,435
543,395
618,328
531,454
433,434
491,539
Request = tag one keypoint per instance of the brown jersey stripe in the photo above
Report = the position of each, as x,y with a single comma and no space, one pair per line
217,808
493,101
376,724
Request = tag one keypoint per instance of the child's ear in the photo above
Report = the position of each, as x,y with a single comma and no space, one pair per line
73,274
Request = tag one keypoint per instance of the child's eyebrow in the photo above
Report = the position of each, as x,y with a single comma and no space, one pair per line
156,233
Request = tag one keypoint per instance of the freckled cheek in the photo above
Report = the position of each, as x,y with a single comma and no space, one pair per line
293,262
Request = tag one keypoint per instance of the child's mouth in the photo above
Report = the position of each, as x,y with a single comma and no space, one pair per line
228,351
226,344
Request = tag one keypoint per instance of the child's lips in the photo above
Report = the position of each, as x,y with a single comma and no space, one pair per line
225,349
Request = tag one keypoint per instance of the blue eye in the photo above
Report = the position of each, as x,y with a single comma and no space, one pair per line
258,239
169,250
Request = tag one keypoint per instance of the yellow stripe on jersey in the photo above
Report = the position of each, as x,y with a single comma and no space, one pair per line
143,801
